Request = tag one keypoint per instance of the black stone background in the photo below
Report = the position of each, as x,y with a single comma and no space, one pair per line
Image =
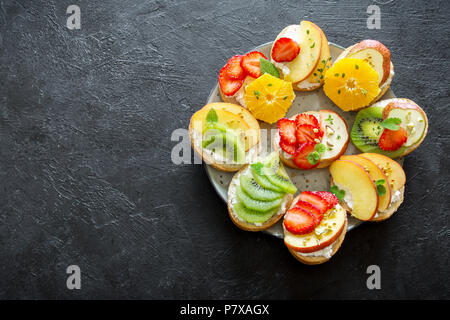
86,118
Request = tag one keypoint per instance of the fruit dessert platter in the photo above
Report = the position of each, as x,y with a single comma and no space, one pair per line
305,140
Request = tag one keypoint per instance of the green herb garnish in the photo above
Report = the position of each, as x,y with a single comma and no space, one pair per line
320,148
268,67
313,45
381,190
212,116
313,157
392,123
340,194
329,119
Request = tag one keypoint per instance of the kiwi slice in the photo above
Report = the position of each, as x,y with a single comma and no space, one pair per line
227,141
280,179
253,216
256,205
367,130
261,179
257,192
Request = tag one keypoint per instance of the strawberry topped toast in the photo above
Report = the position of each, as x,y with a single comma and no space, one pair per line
311,139
314,227
302,55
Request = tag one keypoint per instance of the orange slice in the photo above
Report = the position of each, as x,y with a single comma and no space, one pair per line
351,84
268,98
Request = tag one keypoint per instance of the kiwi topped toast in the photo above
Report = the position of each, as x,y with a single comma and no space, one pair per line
392,127
259,194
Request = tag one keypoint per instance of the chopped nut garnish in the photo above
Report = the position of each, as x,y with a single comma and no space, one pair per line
330,130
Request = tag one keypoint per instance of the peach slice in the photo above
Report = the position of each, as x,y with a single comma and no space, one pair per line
414,119
324,60
359,187
233,116
309,39
391,168
329,229
376,174
376,54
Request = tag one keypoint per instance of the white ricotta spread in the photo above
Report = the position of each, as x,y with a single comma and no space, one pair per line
394,199
239,96
325,252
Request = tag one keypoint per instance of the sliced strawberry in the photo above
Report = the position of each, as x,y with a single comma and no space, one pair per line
309,119
285,50
304,118
234,69
312,209
301,156
250,63
307,133
299,221
328,197
289,148
315,200
391,140
228,85
286,130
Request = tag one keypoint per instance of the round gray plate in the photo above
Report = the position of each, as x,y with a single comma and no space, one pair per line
317,179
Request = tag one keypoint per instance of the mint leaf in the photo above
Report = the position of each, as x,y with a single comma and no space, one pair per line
381,190
313,157
392,123
320,148
340,194
212,116
268,67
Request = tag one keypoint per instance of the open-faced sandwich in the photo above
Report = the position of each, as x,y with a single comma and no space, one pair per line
259,194
360,76
225,135
312,139
314,227
302,55
370,186
393,127
254,83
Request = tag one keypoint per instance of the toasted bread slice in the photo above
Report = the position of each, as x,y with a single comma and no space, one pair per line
339,127
247,226
209,157
384,103
312,260
319,259
384,86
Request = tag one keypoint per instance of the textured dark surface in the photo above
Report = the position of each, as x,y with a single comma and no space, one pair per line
86,118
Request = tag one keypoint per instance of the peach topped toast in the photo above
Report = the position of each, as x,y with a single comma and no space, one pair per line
314,227
393,127
311,139
302,55
369,185
225,135
360,76
259,194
